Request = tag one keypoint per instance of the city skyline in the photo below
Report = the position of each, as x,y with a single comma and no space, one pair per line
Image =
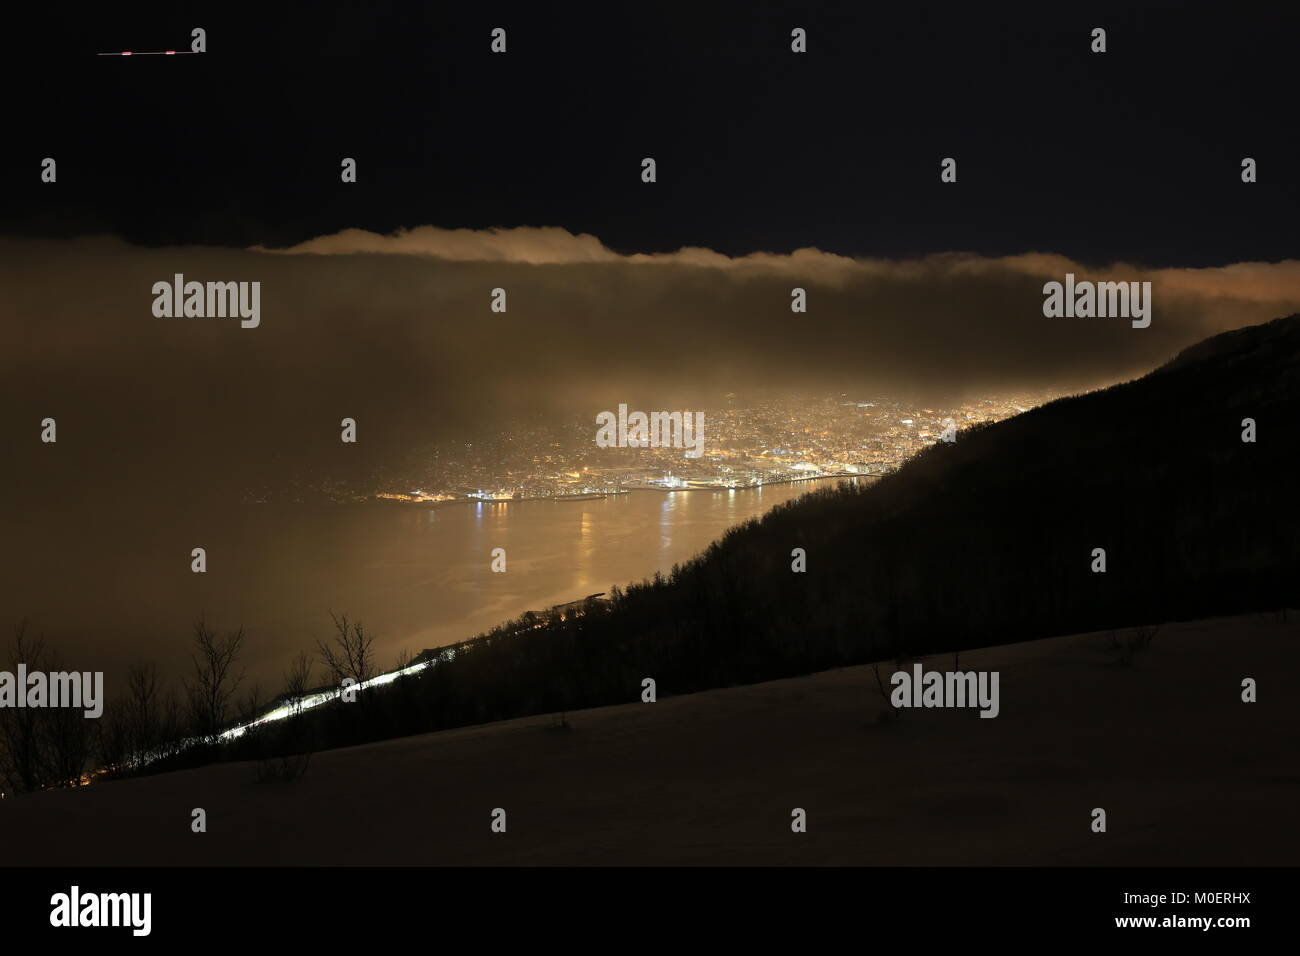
747,445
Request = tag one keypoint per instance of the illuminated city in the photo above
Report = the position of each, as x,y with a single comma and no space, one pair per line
747,444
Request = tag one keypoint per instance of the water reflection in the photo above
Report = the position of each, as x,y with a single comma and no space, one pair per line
667,515
418,577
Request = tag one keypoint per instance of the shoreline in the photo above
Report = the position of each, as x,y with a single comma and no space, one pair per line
388,502
600,496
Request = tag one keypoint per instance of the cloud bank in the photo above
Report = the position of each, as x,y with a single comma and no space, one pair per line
527,245
398,332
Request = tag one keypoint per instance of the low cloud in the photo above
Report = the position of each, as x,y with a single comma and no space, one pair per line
397,332
1265,282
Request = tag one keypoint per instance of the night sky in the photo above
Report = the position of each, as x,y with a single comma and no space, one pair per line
1133,155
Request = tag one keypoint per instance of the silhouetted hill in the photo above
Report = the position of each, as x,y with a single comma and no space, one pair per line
985,541
710,778
1270,347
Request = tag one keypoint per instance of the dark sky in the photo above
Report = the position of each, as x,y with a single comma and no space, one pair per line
1132,155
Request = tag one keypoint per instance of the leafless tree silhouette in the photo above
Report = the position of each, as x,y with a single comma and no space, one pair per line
215,682
297,680
251,704
351,654
70,737
24,752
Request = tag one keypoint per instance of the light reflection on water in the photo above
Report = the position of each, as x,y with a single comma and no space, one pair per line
416,576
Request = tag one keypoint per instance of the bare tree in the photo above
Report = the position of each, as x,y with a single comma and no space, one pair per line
250,705
215,682
171,725
1125,649
24,753
70,738
900,659
291,745
351,654
71,741
113,738
143,717
297,681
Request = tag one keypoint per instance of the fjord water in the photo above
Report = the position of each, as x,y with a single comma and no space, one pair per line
110,587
